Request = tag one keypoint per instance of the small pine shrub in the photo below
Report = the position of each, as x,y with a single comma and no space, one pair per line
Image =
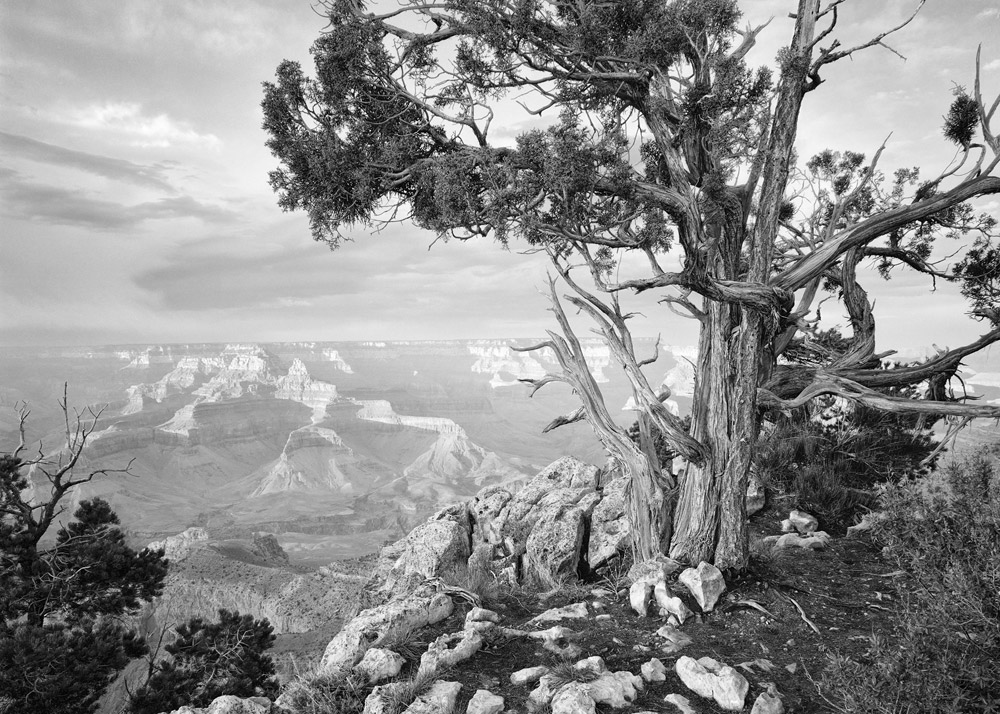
945,655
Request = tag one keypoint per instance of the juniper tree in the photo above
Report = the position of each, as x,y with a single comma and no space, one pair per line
63,638
208,660
661,138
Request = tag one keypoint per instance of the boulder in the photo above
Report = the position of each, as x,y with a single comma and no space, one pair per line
485,702
616,689
768,703
639,596
481,614
816,541
448,650
228,704
551,488
670,604
552,553
528,675
653,570
570,471
439,699
711,679
541,695
801,522
379,623
439,545
576,611
653,671
573,698
610,533
682,703
379,664
482,558
484,509
676,639
705,583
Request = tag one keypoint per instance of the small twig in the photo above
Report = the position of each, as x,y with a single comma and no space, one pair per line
819,690
802,614
756,606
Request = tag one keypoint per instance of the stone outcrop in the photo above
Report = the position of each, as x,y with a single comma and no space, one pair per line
542,532
435,547
711,679
176,548
376,624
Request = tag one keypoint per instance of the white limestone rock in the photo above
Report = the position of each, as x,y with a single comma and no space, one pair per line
676,640
484,509
768,703
654,670
610,532
481,614
178,547
573,698
801,522
639,596
448,650
379,701
485,702
357,636
705,583
670,604
552,551
528,675
541,695
433,547
575,611
682,703
711,679
228,704
653,569
816,541
379,664
550,491
439,699
616,689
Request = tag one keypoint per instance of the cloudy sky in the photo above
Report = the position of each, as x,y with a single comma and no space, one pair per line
134,204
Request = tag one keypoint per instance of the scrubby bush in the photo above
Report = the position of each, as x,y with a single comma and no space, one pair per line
64,605
829,457
208,660
944,656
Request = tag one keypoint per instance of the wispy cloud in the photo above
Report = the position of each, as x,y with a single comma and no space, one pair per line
27,200
150,176
127,119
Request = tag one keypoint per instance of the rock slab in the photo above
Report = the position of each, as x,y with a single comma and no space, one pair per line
705,583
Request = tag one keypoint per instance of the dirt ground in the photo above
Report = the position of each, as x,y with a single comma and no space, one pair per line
846,593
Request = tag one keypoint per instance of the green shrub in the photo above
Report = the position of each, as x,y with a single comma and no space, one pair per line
827,459
208,660
945,653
